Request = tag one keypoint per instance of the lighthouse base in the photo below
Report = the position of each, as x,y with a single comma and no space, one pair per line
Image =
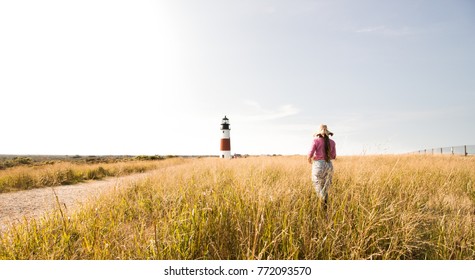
226,154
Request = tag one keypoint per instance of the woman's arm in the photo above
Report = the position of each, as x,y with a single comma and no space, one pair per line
312,152
333,151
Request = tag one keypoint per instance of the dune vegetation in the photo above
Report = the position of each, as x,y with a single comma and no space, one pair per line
24,173
380,207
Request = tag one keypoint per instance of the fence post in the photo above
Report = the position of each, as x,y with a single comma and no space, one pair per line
465,148
441,151
452,150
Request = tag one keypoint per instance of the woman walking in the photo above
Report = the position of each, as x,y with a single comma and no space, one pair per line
322,152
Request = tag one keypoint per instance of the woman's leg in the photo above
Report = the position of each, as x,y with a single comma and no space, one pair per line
318,177
327,180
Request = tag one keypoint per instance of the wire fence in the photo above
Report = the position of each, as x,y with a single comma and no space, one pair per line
464,150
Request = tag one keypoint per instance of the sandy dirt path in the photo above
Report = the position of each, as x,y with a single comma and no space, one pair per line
16,206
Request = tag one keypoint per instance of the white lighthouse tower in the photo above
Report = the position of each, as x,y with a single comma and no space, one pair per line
225,139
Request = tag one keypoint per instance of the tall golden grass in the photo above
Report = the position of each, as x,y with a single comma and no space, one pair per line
380,207
66,173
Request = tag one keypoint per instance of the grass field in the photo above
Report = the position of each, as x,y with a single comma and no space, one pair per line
23,173
381,207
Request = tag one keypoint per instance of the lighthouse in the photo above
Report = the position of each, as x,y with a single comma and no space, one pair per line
225,139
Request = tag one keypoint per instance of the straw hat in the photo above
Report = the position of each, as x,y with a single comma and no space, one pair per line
323,130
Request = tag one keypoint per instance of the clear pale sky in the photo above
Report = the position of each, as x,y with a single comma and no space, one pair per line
156,77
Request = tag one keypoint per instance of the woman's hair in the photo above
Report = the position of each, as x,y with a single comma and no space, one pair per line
327,147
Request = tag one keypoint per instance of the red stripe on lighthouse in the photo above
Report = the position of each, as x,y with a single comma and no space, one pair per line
226,144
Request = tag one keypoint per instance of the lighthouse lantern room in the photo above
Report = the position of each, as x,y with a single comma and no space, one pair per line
225,139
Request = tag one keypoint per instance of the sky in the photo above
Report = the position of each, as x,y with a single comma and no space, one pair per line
156,77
